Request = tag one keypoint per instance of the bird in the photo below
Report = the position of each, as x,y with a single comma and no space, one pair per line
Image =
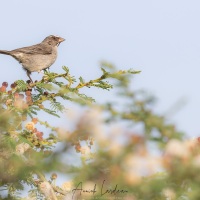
37,57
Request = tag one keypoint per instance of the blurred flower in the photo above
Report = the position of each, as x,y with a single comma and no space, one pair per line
169,193
85,150
54,176
14,135
21,148
90,122
8,102
47,190
19,103
182,149
78,147
35,120
115,148
177,148
133,178
192,145
72,113
30,126
137,166
67,186
39,135
62,134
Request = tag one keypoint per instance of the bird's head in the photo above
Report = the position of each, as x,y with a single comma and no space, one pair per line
53,40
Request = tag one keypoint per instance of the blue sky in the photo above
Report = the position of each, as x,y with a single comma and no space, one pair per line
160,38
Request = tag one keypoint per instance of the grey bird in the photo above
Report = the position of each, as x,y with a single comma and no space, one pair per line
37,57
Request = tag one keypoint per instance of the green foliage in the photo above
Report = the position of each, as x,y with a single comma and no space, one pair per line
111,152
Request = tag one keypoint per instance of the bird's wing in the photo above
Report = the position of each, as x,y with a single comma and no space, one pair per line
35,49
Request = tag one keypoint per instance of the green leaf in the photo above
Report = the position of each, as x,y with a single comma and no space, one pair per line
81,79
57,106
51,112
21,85
65,69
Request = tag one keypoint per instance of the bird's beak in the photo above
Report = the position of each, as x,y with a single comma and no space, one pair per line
61,40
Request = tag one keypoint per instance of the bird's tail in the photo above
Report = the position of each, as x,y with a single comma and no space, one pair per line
4,52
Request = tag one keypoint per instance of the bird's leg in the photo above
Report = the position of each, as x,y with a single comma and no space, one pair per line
28,74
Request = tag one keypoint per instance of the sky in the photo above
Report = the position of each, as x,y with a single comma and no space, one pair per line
160,38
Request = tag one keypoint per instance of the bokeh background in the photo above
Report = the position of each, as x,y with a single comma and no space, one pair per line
160,38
